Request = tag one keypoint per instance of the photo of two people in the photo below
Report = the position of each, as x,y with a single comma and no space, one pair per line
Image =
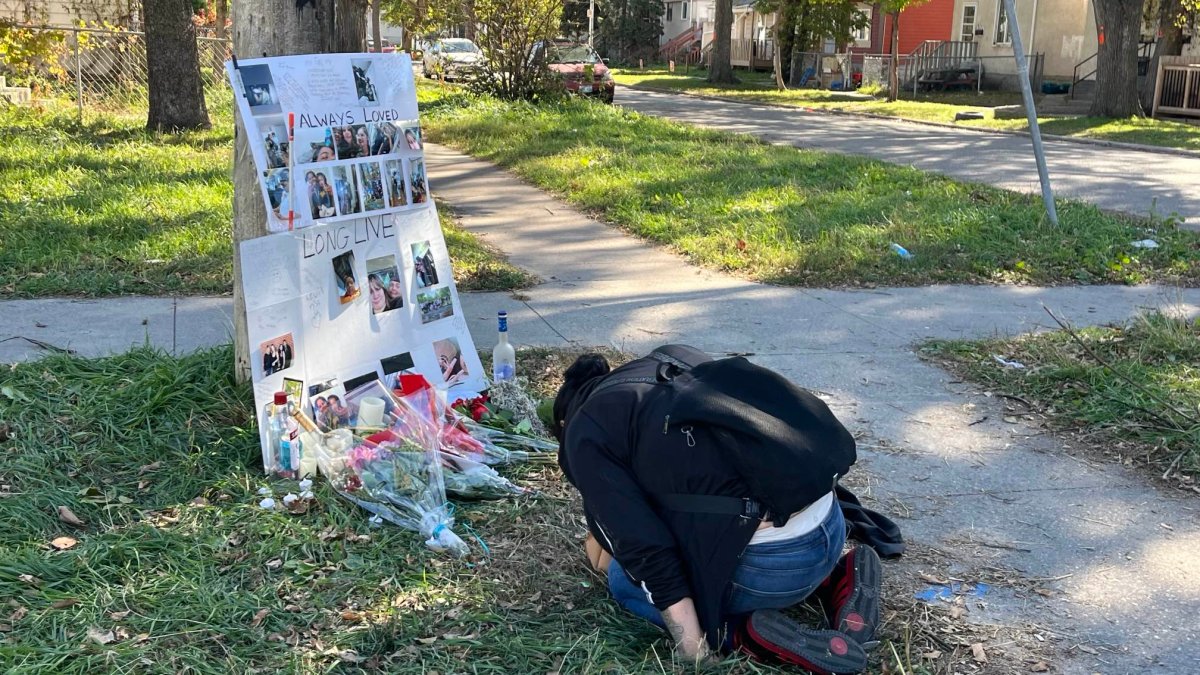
424,270
331,410
314,145
345,282
259,88
277,354
385,290
275,142
363,140
320,194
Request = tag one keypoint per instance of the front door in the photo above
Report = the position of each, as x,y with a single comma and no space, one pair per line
967,25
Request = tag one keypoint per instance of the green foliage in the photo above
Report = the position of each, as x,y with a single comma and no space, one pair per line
511,36
31,58
626,30
1145,407
798,217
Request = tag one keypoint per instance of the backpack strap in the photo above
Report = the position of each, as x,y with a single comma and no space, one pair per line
660,376
713,504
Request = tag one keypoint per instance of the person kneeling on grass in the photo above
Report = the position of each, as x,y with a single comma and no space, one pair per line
712,486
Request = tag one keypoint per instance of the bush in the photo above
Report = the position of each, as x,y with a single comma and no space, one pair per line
31,57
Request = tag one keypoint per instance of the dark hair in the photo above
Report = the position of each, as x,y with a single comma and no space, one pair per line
585,369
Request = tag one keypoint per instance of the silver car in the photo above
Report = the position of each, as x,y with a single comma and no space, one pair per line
452,58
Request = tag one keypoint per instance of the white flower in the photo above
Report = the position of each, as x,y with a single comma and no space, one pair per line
307,494
305,484
264,491
267,503
289,498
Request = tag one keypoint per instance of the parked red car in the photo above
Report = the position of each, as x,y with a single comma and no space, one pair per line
583,71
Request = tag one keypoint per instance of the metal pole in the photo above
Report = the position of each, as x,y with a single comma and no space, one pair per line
1039,153
591,22
78,77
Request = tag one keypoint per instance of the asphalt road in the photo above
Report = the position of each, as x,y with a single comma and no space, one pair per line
1117,179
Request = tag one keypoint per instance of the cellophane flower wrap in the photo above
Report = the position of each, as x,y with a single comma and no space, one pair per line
395,474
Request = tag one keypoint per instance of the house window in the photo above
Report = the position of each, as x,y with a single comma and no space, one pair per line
862,35
967,33
670,11
1003,37
683,13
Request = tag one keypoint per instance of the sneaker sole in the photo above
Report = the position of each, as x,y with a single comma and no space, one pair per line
820,651
859,617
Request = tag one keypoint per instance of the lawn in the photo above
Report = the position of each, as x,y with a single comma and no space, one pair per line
105,208
799,217
927,107
1130,393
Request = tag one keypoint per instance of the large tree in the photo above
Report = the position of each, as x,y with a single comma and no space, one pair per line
1119,27
278,28
173,67
720,70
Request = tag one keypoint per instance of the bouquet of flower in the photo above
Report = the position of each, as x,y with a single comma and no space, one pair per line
466,479
395,474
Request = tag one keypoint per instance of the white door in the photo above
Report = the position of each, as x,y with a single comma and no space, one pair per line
967,25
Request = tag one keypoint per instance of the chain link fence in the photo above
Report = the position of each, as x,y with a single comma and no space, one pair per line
106,69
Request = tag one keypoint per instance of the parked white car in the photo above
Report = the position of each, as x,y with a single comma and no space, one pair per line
452,58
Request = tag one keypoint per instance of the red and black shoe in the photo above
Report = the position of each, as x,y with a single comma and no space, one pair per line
769,635
851,594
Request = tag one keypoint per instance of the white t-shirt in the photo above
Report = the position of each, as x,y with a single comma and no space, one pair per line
801,522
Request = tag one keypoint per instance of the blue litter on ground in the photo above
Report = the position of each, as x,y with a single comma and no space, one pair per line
948,591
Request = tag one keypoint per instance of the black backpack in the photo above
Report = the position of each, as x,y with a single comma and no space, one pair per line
783,441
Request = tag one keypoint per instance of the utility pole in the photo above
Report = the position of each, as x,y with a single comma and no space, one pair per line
1039,152
591,22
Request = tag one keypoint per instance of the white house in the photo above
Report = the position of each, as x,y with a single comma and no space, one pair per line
681,16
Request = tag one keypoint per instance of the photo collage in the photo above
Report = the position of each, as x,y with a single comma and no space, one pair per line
339,171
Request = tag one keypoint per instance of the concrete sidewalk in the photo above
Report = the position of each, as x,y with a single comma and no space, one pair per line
1116,179
974,493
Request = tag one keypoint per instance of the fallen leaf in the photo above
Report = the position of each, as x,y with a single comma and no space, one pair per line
427,641
64,603
978,653
350,656
63,543
143,484
274,564
199,501
100,636
1039,667
932,579
259,616
18,614
149,467
1044,592
141,637
117,616
957,611
1086,649
351,616
932,656
291,608
741,244
30,579
69,517
5,628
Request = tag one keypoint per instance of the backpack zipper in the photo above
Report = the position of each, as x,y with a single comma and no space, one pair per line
666,422
687,431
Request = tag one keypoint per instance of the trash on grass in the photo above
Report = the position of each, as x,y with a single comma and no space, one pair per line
1145,243
900,251
1008,364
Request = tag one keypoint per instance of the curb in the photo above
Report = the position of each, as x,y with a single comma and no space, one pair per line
1157,149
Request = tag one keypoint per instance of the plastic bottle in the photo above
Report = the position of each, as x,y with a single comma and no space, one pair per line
504,357
280,436
900,251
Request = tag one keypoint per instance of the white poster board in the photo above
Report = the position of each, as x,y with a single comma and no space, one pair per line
335,301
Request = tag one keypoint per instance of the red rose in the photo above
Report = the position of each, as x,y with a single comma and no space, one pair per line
478,411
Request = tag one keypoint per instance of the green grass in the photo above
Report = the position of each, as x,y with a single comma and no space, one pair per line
1152,423
925,107
798,217
105,208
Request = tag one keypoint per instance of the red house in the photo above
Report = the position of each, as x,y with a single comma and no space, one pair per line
932,20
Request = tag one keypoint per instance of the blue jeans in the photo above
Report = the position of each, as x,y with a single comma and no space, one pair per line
769,576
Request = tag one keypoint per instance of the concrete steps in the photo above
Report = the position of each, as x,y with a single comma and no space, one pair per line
1062,104
14,95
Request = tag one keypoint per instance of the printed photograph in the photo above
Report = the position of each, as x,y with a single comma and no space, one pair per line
418,182
394,169
279,192
363,84
385,290
352,141
330,410
383,138
275,140
424,271
412,137
343,274
314,145
450,361
346,191
294,389
320,194
372,186
277,354
435,305
395,366
260,90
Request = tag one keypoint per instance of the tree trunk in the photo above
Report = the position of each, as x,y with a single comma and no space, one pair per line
277,28
799,46
469,17
721,71
350,26
777,57
894,65
1119,24
1169,43
375,26
222,19
173,68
